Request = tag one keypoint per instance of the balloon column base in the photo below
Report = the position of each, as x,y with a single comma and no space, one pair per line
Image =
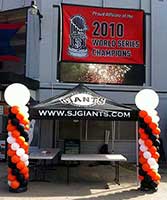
19,190
148,189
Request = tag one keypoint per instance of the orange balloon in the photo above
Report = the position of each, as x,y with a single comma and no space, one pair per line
142,113
143,136
158,177
141,130
20,116
11,128
20,165
20,140
140,153
15,133
26,176
156,131
153,150
25,146
153,125
148,143
156,155
142,160
157,182
15,109
25,121
9,170
27,127
15,184
15,159
151,173
25,170
26,151
147,119
146,167
11,177
11,153
141,177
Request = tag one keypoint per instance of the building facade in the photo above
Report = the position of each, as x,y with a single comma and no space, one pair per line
42,63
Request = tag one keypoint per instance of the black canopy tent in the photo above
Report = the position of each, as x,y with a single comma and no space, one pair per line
84,103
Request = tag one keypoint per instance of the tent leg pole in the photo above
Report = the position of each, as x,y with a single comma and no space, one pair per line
137,155
53,135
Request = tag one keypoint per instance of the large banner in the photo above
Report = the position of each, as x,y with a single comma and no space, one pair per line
102,35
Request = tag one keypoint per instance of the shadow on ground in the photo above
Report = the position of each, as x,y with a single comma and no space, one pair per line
85,183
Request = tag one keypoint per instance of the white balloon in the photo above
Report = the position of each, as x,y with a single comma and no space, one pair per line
9,134
24,157
20,152
147,99
11,140
26,115
9,183
17,94
155,119
15,146
141,141
143,148
147,154
152,113
24,109
151,161
27,163
155,167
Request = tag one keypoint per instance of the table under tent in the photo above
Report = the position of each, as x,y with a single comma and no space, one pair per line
82,103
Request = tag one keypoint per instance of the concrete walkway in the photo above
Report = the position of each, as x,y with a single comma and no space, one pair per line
86,183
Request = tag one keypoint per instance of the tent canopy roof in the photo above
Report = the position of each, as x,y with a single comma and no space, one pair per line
82,102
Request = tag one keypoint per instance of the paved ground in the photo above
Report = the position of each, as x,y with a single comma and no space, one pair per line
86,183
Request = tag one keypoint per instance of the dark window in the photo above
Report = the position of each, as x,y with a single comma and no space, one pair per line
96,129
125,130
69,129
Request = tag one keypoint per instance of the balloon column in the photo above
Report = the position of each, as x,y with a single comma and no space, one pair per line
147,100
17,96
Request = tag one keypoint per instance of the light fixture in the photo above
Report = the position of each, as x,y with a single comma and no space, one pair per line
35,11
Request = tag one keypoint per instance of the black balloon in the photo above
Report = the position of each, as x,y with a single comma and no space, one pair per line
140,120
147,178
142,172
20,128
143,125
26,139
148,131
20,178
153,138
11,165
157,143
26,134
153,184
15,172
15,122
11,116
24,183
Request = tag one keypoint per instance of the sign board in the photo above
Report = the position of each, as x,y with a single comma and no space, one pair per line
83,99
102,35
